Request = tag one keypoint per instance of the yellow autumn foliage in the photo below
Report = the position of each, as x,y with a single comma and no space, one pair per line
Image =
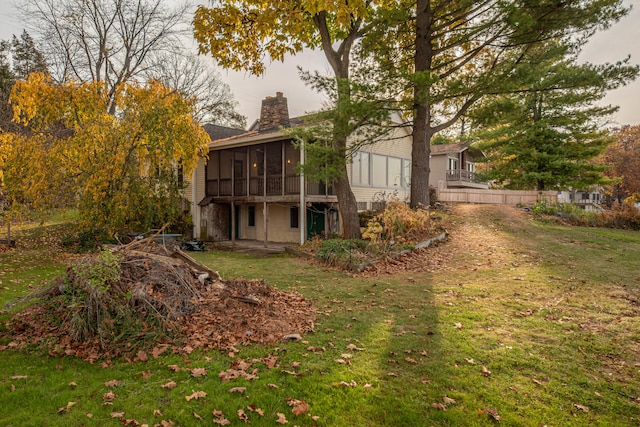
119,169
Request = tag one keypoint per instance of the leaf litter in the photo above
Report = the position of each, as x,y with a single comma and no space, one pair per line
158,291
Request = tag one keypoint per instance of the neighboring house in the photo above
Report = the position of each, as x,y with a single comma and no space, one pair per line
249,187
590,200
454,166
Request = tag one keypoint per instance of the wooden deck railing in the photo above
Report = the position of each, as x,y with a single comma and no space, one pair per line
274,186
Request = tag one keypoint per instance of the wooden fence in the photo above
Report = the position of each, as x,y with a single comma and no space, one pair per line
496,197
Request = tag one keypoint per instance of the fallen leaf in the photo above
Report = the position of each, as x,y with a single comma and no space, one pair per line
198,372
272,385
300,408
111,383
66,408
485,371
470,361
492,412
13,388
142,357
582,407
354,347
174,368
196,416
89,415
448,400
196,395
145,374
19,377
221,421
410,360
439,406
459,326
237,390
281,418
72,384
157,351
243,416
157,413
109,396
169,385
117,414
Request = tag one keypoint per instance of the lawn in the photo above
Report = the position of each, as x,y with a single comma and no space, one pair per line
511,322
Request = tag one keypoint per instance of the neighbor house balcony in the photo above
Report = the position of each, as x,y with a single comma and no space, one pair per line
464,179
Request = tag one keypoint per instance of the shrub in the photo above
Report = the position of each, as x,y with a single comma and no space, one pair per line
344,253
622,215
570,213
398,224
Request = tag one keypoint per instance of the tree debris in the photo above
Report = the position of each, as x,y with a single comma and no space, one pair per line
110,304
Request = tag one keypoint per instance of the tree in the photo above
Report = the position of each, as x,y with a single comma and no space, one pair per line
119,169
623,159
190,76
449,54
18,58
545,135
243,34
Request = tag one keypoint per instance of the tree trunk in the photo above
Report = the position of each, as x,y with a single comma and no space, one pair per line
348,207
420,152
421,134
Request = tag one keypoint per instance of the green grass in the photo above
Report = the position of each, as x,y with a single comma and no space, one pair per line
555,322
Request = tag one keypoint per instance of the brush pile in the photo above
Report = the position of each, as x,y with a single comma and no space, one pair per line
139,296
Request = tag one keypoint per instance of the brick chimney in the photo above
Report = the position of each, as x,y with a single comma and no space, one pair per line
274,113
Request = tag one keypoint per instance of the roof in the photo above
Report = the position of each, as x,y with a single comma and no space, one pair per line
473,152
449,148
220,132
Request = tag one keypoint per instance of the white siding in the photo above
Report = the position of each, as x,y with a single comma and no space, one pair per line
397,146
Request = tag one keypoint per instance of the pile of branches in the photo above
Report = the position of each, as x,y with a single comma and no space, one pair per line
133,297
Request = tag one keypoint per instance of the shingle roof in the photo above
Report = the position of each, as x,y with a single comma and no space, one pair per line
220,132
448,148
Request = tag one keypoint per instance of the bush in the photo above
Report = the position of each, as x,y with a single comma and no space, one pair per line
343,253
622,215
570,213
398,224
86,240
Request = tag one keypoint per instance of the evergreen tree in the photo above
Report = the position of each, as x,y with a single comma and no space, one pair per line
447,55
546,133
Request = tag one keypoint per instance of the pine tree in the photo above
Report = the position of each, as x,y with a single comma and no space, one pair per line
546,133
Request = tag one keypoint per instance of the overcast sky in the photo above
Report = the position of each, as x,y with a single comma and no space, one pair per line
617,43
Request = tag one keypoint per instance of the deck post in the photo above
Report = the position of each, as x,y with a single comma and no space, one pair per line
265,217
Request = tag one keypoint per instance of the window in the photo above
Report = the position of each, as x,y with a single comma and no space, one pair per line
471,167
394,172
453,164
360,169
406,166
378,170
379,166
294,217
251,216
180,173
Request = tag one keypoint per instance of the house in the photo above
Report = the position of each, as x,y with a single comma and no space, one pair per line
249,187
454,166
589,199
